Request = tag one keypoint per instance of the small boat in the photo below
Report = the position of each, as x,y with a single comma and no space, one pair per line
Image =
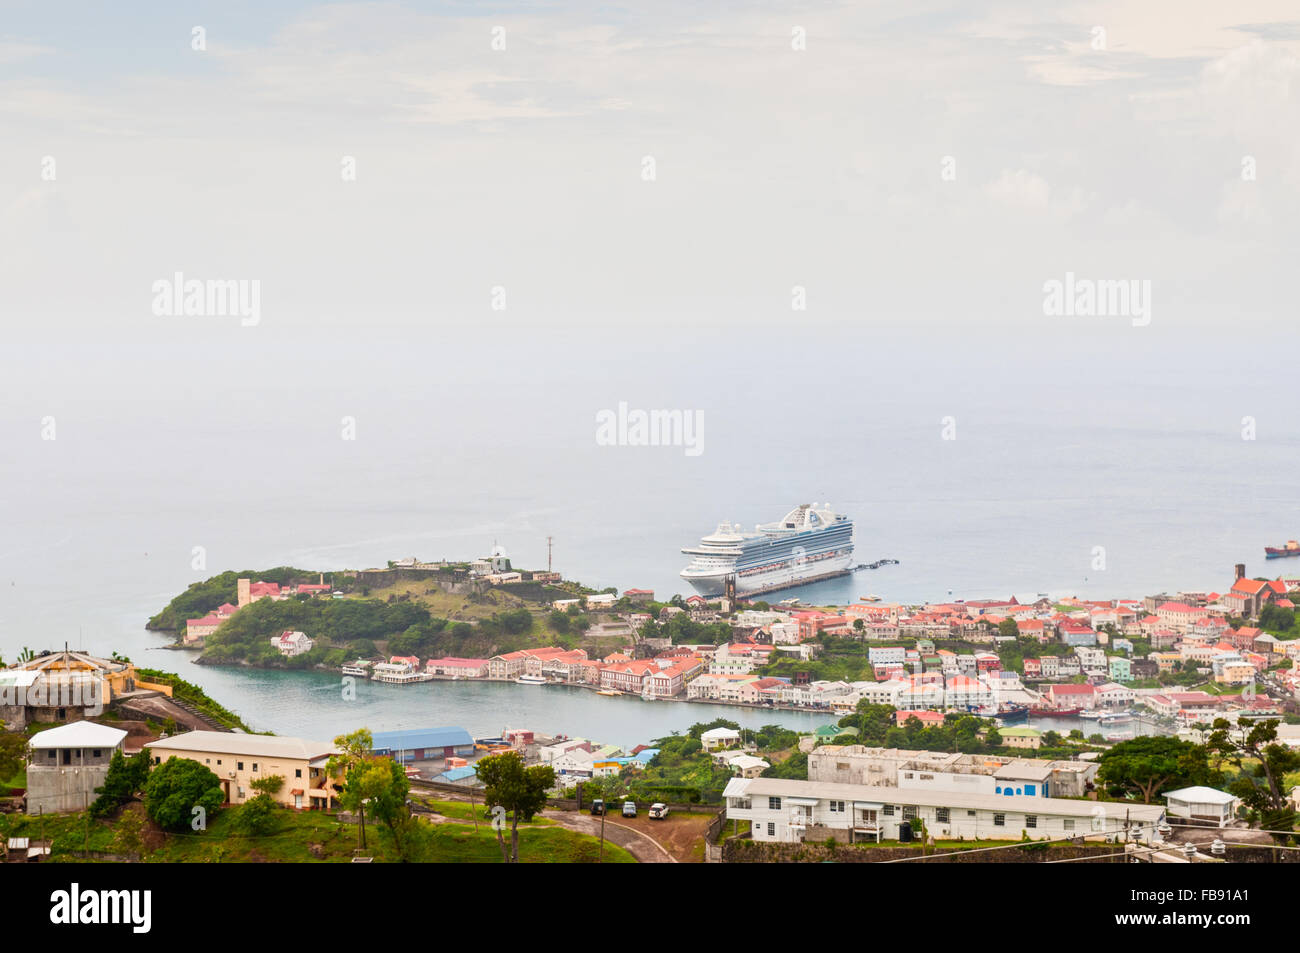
1117,718
871,598
1091,715
607,691
354,670
1012,713
530,680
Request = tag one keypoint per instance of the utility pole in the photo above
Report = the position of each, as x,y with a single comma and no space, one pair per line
604,811
548,553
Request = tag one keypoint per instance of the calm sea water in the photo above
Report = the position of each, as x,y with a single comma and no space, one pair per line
1108,463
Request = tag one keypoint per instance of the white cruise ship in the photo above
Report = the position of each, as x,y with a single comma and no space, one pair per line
812,542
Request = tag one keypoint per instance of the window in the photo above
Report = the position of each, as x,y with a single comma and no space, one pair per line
1069,823
909,812
97,752
841,766
207,760
970,813
218,761
941,815
837,807
889,810
297,772
774,804
254,766
239,765
771,830
999,820
1031,820
1031,789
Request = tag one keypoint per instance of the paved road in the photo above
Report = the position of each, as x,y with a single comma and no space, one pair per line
639,845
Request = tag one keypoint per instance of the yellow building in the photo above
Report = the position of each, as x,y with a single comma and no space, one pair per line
1166,660
239,759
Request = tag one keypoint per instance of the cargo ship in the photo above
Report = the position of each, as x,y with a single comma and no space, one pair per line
1292,548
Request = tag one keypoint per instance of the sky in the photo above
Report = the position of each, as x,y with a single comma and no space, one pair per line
933,165
473,227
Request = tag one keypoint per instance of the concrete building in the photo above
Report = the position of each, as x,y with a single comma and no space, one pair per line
238,759
63,686
67,763
793,811
945,771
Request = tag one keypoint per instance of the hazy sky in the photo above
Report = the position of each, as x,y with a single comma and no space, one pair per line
919,170
522,168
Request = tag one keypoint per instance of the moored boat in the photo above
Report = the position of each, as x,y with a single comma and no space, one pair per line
810,543
1055,712
1292,548
1013,713
530,680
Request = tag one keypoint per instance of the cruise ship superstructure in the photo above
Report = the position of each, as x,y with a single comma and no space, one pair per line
811,542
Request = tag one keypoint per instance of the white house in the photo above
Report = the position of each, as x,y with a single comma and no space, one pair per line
1203,804
747,766
788,811
716,738
291,643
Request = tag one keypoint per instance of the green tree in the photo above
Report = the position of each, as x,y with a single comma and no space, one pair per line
257,817
1008,628
125,777
388,786
519,790
269,784
1263,765
354,752
1147,766
178,786
13,754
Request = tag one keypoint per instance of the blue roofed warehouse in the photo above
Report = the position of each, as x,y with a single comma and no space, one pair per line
423,744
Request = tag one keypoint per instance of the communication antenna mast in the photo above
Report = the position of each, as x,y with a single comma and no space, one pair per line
548,553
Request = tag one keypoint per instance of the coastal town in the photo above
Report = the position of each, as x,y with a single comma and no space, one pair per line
963,722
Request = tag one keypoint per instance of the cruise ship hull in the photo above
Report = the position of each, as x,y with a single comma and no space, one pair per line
773,580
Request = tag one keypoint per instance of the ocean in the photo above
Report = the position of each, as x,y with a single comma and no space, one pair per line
1107,463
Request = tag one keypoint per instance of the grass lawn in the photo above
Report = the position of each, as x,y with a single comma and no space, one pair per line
461,810
315,837
728,830
447,605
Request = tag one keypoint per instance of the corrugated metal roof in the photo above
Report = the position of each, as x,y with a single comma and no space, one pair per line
421,738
